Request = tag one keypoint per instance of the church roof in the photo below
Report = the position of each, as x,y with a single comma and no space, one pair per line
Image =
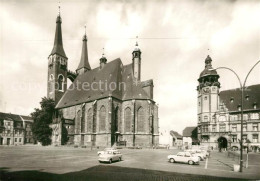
113,73
232,98
84,63
187,132
58,45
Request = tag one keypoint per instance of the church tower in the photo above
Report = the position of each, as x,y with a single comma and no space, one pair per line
83,64
208,90
57,66
137,63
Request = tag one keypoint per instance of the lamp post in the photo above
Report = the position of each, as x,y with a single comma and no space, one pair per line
242,88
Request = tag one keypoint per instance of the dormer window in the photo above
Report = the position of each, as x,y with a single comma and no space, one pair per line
231,99
239,108
254,105
247,97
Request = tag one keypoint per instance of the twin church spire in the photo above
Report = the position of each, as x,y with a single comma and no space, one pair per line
84,61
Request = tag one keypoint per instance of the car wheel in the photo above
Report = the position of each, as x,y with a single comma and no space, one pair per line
200,158
190,162
172,160
110,161
119,159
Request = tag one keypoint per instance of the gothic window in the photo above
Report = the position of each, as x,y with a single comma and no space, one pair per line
89,121
102,119
78,121
140,120
61,82
128,120
82,124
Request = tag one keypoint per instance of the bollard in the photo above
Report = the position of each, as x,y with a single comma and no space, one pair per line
206,164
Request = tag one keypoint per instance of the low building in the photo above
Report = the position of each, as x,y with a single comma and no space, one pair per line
189,137
15,129
176,139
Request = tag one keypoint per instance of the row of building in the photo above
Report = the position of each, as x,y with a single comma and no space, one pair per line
15,129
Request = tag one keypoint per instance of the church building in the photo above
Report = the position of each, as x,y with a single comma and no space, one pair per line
104,106
219,112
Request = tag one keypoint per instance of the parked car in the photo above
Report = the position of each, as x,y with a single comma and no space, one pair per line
110,156
198,153
184,157
105,150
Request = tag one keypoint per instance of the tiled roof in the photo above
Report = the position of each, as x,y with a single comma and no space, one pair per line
14,117
176,134
112,72
187,132
232,98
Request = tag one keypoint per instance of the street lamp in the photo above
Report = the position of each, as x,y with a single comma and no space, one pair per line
242,87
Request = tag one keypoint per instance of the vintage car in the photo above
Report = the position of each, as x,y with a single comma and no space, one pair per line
105,150
110,156
197,153
184,157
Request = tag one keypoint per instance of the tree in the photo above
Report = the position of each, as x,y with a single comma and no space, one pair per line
42,119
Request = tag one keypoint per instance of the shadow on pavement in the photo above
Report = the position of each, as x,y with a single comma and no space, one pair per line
106,173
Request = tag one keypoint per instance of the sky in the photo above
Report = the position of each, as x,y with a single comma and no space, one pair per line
175,37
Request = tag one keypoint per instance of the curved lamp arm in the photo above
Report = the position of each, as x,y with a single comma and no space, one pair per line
231,71
250,72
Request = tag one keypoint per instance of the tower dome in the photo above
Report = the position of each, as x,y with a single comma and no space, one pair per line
209,76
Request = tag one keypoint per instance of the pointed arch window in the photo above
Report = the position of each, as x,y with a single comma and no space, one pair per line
90,121
61,83
140,120
102,119
78,121
128,120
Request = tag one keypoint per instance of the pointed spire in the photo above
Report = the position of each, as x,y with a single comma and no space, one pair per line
84,63
58,45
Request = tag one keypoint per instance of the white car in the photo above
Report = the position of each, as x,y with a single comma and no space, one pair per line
184,157
105,150
197,153
110,156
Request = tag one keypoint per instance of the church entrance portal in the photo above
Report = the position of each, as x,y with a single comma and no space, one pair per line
222,143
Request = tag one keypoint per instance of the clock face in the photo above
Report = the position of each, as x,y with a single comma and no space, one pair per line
206,90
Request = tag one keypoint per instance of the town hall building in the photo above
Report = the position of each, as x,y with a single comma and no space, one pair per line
104,106
219,112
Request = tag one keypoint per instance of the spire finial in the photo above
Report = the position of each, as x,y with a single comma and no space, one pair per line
136,44
59,9
103,54
85,29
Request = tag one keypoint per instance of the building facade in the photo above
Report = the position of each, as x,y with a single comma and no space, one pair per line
15,129
105,106
219,112
176,139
